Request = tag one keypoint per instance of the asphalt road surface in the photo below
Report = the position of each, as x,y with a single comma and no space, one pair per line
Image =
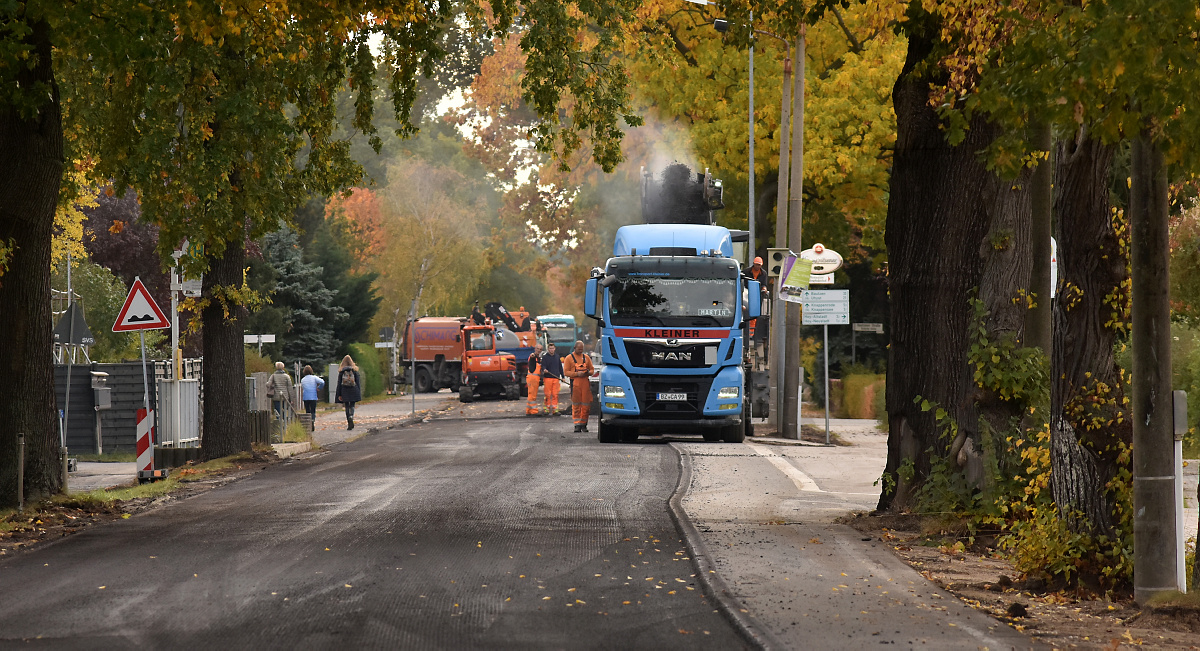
458,533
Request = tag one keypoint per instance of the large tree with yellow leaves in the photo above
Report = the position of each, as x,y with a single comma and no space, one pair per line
222,114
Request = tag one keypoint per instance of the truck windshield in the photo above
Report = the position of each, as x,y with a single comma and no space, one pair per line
651,300
481,340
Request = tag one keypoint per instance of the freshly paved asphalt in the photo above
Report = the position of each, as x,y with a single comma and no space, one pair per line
458,533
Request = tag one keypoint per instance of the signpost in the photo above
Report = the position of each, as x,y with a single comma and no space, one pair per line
856,328
141,313
250,340
825,307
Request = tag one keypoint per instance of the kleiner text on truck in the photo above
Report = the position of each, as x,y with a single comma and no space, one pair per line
672,305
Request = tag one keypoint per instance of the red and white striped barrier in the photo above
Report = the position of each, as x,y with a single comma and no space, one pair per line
145,447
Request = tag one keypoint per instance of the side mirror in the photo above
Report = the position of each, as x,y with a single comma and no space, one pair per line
458,338
753,300
589,298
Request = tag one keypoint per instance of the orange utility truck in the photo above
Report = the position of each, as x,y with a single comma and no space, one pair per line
452,352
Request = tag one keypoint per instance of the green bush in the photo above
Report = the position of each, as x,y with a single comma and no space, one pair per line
1185,367
858,395
370,367
879,403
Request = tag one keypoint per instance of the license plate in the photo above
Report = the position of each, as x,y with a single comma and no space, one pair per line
682,397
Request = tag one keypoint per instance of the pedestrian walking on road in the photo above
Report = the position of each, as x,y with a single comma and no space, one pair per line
349,388
310,384
532,380
279,389
578,366
552,374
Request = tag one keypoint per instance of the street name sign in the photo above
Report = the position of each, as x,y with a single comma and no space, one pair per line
825,307
877,328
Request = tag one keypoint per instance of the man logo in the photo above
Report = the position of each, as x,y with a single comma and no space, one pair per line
670,357
672,342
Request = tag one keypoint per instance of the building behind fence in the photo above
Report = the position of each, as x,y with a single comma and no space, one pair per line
117,424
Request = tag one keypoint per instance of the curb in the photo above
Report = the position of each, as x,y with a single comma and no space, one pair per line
285,450
774,440
711,582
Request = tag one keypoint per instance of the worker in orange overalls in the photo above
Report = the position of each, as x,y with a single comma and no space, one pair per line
552,374
578,367
756,272
532,379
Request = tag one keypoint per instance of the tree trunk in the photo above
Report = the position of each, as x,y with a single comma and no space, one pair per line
226,421
940,212
1006,255
31,166
1084,432
1039,320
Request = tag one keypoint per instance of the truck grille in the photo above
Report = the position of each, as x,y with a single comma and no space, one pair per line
647,389
649,355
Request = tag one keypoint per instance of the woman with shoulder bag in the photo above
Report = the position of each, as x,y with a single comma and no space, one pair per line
349,388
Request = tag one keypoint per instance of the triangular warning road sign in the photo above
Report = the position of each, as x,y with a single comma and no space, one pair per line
140,311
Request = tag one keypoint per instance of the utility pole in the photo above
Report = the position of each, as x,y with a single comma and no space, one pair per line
791,366
1153,438
775,365
750,220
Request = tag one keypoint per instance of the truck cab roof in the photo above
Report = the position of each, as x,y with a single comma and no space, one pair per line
673,239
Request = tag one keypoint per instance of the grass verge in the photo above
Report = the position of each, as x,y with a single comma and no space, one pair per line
107,457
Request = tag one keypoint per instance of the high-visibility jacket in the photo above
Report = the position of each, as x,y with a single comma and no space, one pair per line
578,366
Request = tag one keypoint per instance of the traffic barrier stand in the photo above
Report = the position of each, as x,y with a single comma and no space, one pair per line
145,448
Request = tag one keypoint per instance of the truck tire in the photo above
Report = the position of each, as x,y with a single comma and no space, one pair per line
714,434
628,434
608,433
735,434
465,394
424,381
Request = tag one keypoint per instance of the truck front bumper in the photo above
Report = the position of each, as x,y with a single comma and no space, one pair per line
491,377
671,423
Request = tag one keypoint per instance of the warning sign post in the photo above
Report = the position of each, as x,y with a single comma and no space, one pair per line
141,313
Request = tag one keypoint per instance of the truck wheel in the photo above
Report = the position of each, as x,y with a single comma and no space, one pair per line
735,434
714,434
628,434
512,392
465,394
608,433
424,381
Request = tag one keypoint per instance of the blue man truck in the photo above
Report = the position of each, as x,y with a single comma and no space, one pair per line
673,308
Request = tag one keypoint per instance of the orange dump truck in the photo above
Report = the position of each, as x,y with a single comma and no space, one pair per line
451,352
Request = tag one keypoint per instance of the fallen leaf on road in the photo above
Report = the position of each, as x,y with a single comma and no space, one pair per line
815,541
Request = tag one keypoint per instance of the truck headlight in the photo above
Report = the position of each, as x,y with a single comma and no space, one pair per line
614,392
729,393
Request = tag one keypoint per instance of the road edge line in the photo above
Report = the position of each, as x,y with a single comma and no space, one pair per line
711,582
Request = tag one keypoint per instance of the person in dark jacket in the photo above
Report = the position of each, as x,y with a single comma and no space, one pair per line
552,375
349,388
